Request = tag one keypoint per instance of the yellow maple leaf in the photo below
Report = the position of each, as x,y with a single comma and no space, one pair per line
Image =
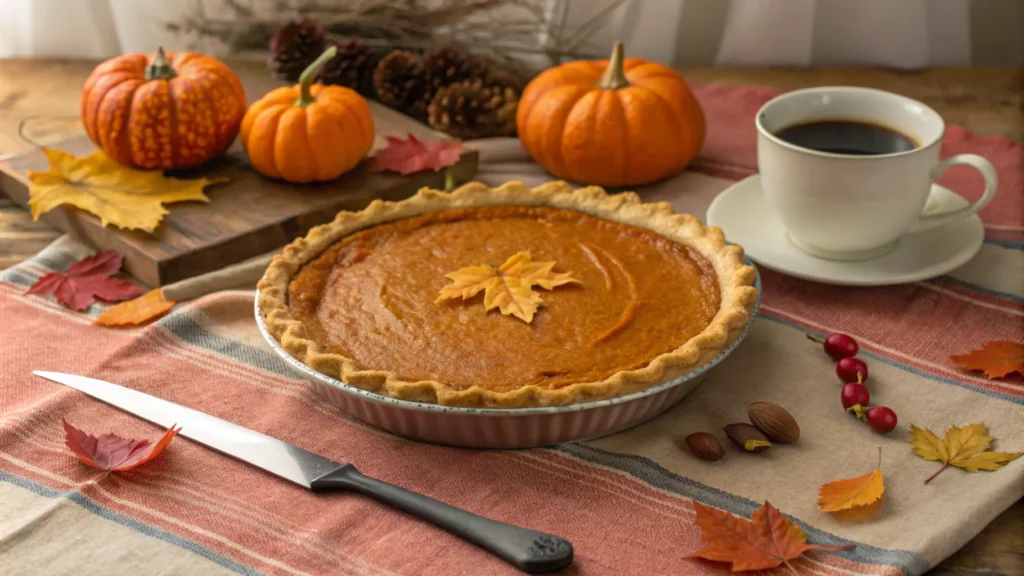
852,492
965,448
508,288
118,195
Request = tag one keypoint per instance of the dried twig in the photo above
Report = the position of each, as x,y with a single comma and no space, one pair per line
507,31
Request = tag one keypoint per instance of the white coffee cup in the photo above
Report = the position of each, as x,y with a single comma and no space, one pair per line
852,207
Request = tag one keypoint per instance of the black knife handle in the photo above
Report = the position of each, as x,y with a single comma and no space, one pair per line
530,551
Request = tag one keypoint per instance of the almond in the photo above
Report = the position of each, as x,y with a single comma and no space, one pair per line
774,421
747,437
705,446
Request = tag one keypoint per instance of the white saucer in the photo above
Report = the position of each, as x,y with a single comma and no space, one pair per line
741,212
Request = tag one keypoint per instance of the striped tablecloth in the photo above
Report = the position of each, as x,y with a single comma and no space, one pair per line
624,501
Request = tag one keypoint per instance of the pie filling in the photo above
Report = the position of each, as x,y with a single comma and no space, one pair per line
372,298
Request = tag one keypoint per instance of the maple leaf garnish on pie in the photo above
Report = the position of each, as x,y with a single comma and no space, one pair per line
508,288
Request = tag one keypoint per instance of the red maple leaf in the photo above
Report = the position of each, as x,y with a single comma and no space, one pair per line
765,541
996,359
87,280
414,155
111,452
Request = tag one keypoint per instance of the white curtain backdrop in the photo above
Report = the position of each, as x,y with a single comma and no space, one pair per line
897,33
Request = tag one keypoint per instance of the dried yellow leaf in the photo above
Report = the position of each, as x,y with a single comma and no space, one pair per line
118,195
135,312
508,288
852,492
965,448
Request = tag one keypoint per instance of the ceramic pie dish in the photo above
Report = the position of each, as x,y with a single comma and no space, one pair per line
507,317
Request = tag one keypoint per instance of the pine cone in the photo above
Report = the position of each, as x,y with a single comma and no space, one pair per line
469,109
400,82
352,68
502,78
505,103
294,46
449,65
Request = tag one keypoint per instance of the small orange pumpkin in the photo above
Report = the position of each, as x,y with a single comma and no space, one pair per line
308,132
617,122
165,112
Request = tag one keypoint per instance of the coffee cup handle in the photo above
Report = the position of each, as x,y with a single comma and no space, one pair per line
988,172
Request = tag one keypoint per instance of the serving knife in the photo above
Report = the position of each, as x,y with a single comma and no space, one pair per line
528,550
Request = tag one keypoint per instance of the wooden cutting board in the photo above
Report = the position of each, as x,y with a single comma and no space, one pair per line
247,216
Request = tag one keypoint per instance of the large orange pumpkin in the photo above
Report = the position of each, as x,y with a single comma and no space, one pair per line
168,111
308,132
617,122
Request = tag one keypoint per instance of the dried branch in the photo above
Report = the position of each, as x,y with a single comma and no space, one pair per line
507,31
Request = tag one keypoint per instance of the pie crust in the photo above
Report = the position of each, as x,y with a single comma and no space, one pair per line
735,279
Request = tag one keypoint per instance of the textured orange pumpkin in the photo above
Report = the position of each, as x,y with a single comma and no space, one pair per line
610,122
171,111
308,132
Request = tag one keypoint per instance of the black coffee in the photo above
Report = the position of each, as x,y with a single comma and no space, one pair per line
847,137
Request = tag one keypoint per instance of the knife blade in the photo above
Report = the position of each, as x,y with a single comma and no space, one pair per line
529,550
280,458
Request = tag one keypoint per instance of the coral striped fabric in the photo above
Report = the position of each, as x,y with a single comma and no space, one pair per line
624,501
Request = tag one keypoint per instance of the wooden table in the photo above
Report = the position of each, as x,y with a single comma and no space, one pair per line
985,100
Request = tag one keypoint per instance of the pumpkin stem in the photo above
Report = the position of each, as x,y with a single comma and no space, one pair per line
614,77
309,74
449,179
160,68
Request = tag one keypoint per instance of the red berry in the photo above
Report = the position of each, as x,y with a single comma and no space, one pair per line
854,394
881,419
852,370
841,346
837,345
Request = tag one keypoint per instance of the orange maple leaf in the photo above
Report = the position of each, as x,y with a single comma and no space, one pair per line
150,305
111,452
996,359
765,541
508,288
852,492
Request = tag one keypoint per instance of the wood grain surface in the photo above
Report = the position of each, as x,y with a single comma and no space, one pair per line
987,101
246,216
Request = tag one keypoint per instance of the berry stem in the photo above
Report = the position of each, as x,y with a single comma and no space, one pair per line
814,338
858,411
860,378
944,466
